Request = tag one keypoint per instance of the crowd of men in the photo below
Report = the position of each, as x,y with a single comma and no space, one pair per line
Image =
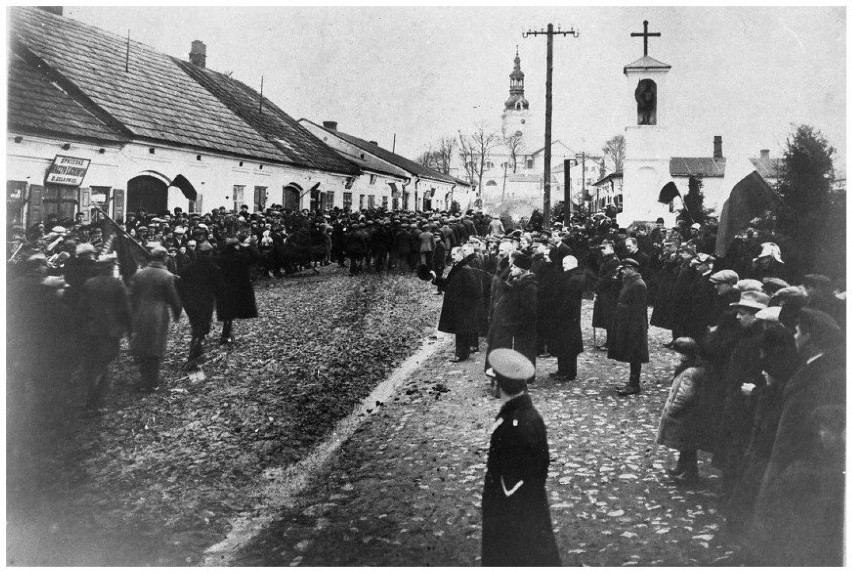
761,385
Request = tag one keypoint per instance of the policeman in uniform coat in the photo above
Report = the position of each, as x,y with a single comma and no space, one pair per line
516,526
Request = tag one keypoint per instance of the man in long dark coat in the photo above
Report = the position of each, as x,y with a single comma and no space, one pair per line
513,322
606,291
152,294
237,300
567,341
629,341
105,317
545,274
516,526
199,287
462,303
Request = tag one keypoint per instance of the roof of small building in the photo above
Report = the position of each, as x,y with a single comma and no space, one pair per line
398,160
368,162
36,105
610,177
697,167
768,167
646,63
152,98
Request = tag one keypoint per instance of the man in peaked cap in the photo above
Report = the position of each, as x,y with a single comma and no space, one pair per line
630,325
516,526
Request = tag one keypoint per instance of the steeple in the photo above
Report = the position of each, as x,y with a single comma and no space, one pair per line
516,87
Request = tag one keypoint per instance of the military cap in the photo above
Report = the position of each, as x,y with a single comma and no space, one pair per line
628,262
726,276
510,369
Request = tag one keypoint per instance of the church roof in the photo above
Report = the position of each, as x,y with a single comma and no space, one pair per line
514,99
646,63
697,167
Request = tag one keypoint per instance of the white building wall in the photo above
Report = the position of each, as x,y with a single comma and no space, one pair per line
213,176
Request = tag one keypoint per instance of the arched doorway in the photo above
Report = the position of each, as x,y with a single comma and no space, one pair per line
292,193
147,193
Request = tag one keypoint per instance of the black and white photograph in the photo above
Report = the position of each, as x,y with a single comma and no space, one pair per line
415,286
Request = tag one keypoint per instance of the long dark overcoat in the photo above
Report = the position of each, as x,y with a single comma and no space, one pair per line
237,300
199,287
545,275
667,275
516,526
798,518
567,337
681,301
152,293
462,306
606,292
513,322
630,326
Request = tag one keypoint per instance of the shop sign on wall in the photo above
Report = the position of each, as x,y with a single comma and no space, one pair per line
67,170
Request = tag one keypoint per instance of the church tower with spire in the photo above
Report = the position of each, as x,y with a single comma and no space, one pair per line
517,109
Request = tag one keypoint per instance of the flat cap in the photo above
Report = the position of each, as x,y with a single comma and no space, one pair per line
746,285
752,299
726,276
85,249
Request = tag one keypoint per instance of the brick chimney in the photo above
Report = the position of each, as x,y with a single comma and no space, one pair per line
717,147
764,154
198,54
332,125
57,10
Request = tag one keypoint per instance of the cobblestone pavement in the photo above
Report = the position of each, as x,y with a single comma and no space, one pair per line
406,488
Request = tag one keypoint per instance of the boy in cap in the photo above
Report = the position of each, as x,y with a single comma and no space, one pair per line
516,526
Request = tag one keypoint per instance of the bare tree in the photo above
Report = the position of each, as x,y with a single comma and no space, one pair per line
474,150
514,143
428,159
614,150
444,154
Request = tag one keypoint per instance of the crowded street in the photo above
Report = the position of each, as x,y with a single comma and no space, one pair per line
451,308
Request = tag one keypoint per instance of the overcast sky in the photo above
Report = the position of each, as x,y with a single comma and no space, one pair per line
746,74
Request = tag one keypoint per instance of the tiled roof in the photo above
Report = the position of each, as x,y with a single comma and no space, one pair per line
296,143
365,161
697,166
768,167
647,63
398,160
36,105
155,100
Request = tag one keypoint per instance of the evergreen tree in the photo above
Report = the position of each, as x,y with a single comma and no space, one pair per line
804,187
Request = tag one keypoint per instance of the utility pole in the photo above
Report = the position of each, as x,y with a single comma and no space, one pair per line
567,200
548,107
